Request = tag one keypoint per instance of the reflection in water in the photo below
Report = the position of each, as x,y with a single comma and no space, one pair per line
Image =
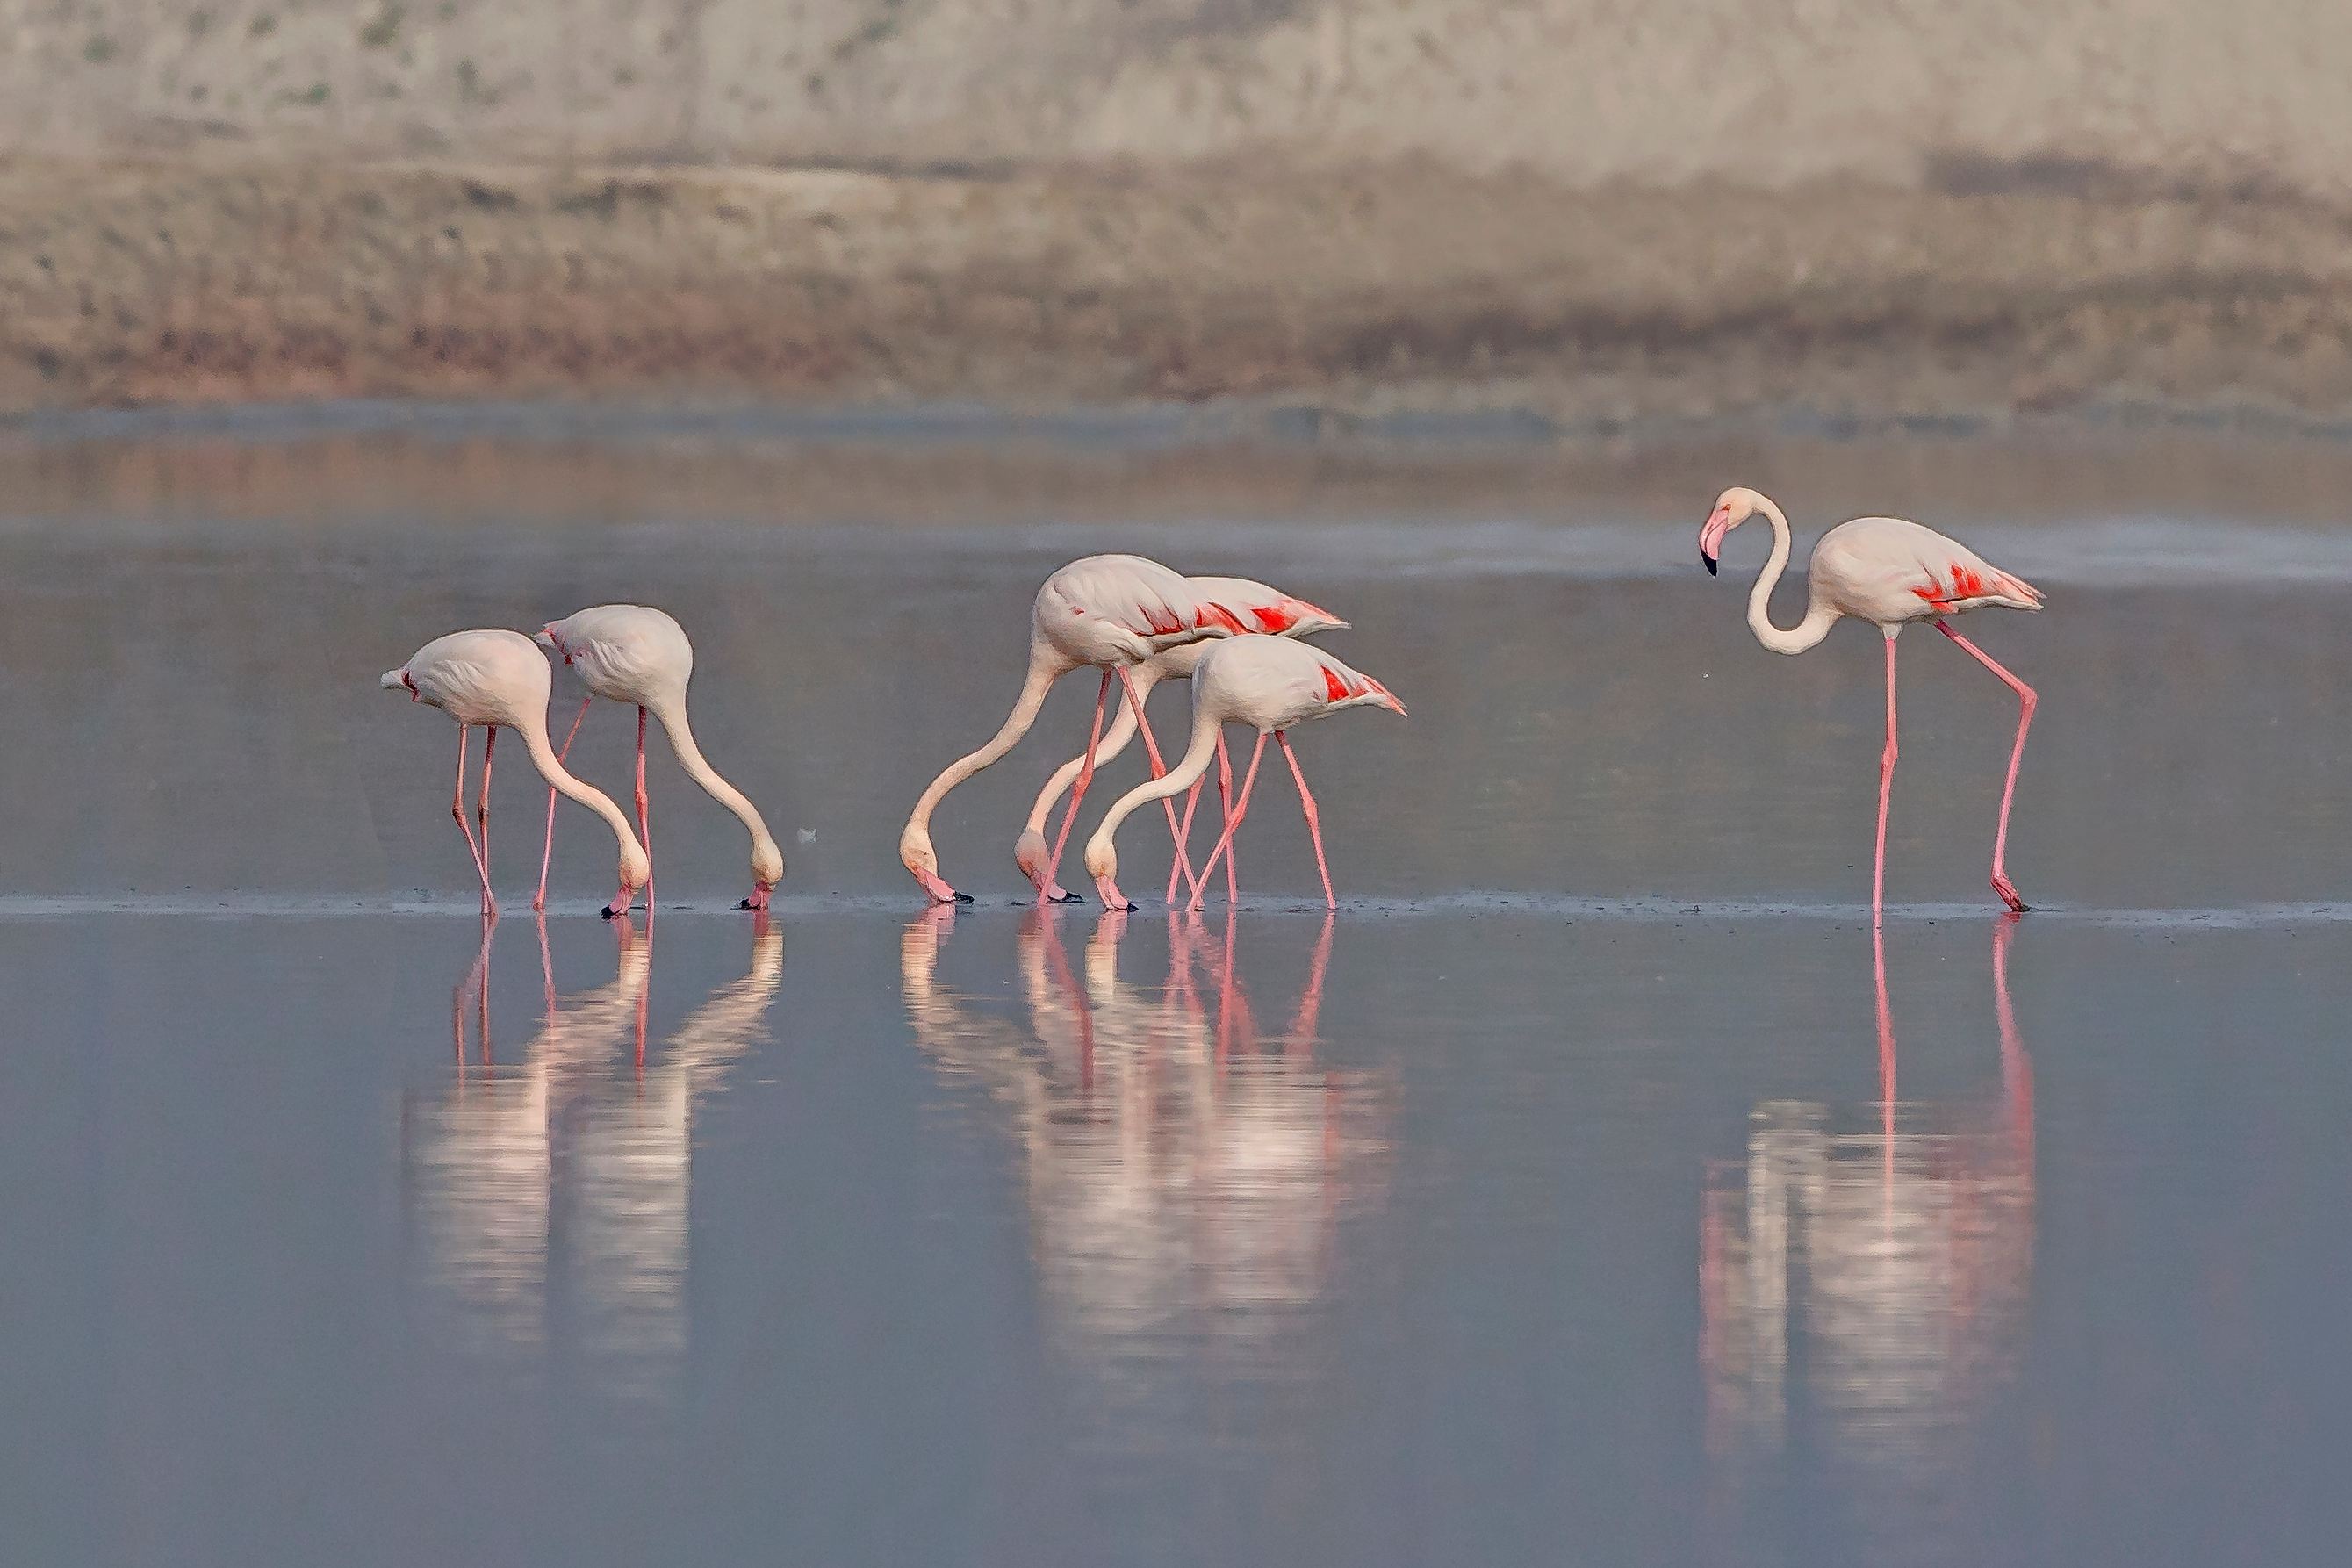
1864,1285
1185,1172
549,1191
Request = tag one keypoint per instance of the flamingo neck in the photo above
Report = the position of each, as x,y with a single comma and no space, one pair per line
1100,850
699,769
1046,666
1114,741
1819,618
551,768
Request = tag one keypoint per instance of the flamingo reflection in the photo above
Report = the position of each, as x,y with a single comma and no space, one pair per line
1873,1276
551,1191
1184,1173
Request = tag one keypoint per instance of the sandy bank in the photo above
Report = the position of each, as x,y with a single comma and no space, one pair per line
1990,288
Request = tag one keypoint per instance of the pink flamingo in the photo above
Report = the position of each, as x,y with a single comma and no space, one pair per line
1110,612
493,678
640,657
1889,572
1270,684
1268,610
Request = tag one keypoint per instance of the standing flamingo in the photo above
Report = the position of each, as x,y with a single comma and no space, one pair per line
1270,684
1112,612
1889,572
494,677
1271,611
639,656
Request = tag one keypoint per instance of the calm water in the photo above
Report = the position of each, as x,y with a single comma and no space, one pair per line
1580,1192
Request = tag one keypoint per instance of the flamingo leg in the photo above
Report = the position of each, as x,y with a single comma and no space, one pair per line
1078,790
1184,834
1885,791
1225,803
1233,820
1158,770
547,853
2026,702
458,810
1314,820
482,815
645,823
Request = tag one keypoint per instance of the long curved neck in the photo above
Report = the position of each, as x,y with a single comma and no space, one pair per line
543,758
1114,741
1195,763
1046,666
1818,618
699,769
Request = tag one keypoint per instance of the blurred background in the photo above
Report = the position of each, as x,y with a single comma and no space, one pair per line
1549,215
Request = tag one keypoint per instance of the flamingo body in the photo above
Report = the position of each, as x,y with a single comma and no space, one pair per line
1264,608
637,655
1890,573
1271,684
497,679
1109,612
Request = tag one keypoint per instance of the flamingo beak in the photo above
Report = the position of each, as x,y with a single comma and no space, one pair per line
1710,541
1709,562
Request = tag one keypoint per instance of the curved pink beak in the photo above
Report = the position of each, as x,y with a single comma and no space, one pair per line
1710,539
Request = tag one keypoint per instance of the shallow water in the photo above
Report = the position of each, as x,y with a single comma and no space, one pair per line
1577,1192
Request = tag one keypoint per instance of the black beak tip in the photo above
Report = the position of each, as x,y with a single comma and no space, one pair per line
1068,898
1709,562
963,897
1125,910
742,903
607,911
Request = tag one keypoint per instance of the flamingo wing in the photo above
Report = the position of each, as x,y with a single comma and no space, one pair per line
1899,570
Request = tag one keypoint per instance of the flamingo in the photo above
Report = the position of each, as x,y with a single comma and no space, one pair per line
1110,612
1271,684
1889,572
639,656
493,678
1274,612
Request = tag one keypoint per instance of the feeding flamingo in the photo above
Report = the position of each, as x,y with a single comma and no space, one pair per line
1271,611
1270,684
1889,572
1110,612
495,678
640,657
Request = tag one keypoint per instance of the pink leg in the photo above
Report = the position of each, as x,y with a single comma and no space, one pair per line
2016,1071
1233,820
1159,769
645,823
482,812
546,854
458,810
1886,790
1314,820
2026,702
1226,803
1184,834
1078,790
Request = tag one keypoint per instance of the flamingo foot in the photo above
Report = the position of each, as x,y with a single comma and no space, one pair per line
1111,896
539,903
2007,891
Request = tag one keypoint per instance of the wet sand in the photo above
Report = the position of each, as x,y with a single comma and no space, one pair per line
1577,1183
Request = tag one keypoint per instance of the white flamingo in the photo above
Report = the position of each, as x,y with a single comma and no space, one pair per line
1109,612
1269,684
1889,572
639,656
1265,609
494,678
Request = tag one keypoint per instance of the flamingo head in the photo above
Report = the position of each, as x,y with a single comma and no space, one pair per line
550,636
636,870
399,680
923,862
1102,865
767,864
1732,508
1029,854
